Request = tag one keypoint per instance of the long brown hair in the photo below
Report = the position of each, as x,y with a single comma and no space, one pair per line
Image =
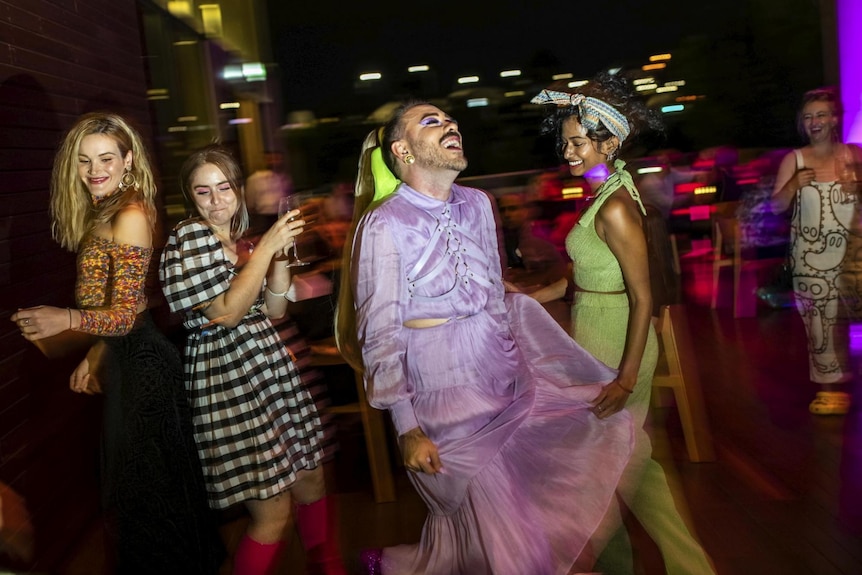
73,214
220,157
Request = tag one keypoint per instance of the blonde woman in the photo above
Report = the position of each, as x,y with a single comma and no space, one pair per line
818,181
103,207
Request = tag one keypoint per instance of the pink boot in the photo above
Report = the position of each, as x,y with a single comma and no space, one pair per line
253,558
317,530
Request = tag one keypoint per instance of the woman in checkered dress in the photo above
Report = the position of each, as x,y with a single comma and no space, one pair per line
257,429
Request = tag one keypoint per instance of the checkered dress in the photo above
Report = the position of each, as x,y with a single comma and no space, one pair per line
254,424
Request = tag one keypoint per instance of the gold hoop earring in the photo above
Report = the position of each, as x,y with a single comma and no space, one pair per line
409,159
128,180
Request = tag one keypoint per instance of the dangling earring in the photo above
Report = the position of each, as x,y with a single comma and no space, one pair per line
612,154
128,180
409,158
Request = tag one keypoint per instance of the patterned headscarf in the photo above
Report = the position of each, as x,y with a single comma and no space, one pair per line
591,111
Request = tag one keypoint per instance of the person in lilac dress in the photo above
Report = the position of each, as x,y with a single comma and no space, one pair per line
490,398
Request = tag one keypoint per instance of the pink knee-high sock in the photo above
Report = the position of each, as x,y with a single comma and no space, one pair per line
253,558
317,530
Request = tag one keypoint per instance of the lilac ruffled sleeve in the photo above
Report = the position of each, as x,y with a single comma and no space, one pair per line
379,289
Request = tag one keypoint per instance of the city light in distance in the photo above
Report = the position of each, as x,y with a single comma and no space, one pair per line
659,58
468,79
368,76
229,105
659,66
514,93
510,73
650,170
565,76
647,80
578,83
672,108
477,102
414,69
663,89
646,87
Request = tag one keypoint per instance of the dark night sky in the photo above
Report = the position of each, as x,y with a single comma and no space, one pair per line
322,49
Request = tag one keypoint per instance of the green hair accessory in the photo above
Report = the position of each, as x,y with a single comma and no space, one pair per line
385,181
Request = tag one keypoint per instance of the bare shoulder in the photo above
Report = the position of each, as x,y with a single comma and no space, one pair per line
132,226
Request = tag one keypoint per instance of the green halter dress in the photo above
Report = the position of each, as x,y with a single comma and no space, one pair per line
599,324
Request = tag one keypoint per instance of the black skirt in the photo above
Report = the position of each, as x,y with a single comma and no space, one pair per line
157,516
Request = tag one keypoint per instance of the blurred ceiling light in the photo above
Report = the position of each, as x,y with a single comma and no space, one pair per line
565,76
578,83
370,76
705,190
645,87
477,102
232,72
254,71
573,192
510,73
211,18
468,79
172,129
650,170
240,121
158,94
185,43
187,119
658,66
672,108
180,8
514,93
422,68
614,71
228,105
663,89
647,80
659,58
675,83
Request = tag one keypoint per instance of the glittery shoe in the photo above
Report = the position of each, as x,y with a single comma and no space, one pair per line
369,560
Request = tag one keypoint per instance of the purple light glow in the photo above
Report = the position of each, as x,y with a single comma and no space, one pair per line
849,16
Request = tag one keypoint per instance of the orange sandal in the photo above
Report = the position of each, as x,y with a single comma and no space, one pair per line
830,403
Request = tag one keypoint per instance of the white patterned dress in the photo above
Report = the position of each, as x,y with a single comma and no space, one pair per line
254,424
823,217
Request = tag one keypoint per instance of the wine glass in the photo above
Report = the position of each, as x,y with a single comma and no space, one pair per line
285,205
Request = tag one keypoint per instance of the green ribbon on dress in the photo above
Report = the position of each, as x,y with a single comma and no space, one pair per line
620,178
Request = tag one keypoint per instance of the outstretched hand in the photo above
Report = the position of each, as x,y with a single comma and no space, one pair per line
41,321
419,453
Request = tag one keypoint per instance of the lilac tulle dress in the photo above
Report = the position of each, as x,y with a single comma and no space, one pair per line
502,391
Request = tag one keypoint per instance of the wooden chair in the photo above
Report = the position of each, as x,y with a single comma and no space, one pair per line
677,370
325,353
728,251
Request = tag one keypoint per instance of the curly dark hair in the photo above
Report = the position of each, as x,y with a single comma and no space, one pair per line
616,91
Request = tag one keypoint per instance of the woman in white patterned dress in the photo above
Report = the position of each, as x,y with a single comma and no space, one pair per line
819,181
257,429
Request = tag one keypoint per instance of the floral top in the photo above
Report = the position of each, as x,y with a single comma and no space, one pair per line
110,285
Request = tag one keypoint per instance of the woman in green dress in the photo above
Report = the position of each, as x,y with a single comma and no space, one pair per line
612,310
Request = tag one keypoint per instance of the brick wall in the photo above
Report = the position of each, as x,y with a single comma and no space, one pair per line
58,59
